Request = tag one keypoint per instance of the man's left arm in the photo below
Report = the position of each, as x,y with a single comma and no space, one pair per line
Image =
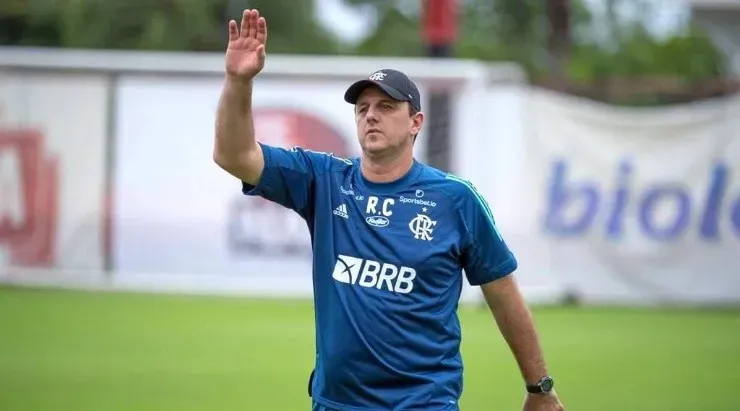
490,264
516,324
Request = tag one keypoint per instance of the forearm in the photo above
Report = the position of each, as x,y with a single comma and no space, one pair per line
235,136
516,325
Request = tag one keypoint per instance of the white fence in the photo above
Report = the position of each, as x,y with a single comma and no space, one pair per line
105,161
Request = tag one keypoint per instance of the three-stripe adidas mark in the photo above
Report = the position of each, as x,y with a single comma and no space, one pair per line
341,211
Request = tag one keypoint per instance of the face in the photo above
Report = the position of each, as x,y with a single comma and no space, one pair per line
384,125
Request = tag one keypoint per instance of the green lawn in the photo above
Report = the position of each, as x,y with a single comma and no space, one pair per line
62,350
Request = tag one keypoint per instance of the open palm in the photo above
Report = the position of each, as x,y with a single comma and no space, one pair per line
245,55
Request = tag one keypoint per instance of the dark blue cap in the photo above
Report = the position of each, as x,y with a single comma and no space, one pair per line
394,83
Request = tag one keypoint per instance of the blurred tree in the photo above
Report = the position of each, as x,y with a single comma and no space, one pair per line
606,57
181,25
396,34
16,27
562,45
634,66
511,30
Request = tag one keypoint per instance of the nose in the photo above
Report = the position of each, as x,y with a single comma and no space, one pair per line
371,116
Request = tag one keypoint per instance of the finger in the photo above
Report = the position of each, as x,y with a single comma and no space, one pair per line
262,30
233,31
253,17
245,23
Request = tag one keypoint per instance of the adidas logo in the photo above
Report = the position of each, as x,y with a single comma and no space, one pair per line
341,211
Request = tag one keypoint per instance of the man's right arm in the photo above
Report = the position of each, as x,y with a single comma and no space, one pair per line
236,149
276,174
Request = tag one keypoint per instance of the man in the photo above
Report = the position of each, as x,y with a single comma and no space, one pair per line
391,238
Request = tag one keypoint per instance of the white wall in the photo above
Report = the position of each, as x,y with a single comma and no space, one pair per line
171,214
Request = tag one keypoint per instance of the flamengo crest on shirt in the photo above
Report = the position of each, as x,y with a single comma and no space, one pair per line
422,226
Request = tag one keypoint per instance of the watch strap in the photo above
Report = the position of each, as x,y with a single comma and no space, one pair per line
542,386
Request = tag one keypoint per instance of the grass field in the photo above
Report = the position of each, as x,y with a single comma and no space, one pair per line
63,350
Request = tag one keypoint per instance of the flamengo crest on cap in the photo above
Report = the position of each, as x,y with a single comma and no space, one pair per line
377,76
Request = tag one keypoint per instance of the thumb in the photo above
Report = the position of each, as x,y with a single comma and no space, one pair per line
261,52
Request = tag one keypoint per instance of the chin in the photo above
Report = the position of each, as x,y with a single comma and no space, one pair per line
374,144
375,148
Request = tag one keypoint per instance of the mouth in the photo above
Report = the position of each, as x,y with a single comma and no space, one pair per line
373,130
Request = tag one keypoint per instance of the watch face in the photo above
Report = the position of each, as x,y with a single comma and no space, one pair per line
546,384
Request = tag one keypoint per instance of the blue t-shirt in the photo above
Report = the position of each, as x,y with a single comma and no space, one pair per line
387,274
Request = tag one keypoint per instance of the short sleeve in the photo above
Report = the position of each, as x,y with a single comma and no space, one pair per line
486,257
287,178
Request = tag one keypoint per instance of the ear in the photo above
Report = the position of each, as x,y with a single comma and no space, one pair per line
417,122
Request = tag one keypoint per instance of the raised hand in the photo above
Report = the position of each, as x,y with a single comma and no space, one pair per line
245,55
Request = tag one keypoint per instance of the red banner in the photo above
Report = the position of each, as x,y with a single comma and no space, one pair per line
29,196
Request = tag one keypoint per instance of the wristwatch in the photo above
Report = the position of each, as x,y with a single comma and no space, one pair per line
543,386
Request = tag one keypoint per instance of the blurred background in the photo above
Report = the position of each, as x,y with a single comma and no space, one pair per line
604,134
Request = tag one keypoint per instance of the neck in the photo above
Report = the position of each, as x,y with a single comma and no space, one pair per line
385,170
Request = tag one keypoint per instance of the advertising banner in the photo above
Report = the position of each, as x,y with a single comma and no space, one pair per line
177,213
625,204
52,170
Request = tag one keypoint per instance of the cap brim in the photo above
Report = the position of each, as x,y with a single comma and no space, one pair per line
354,91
